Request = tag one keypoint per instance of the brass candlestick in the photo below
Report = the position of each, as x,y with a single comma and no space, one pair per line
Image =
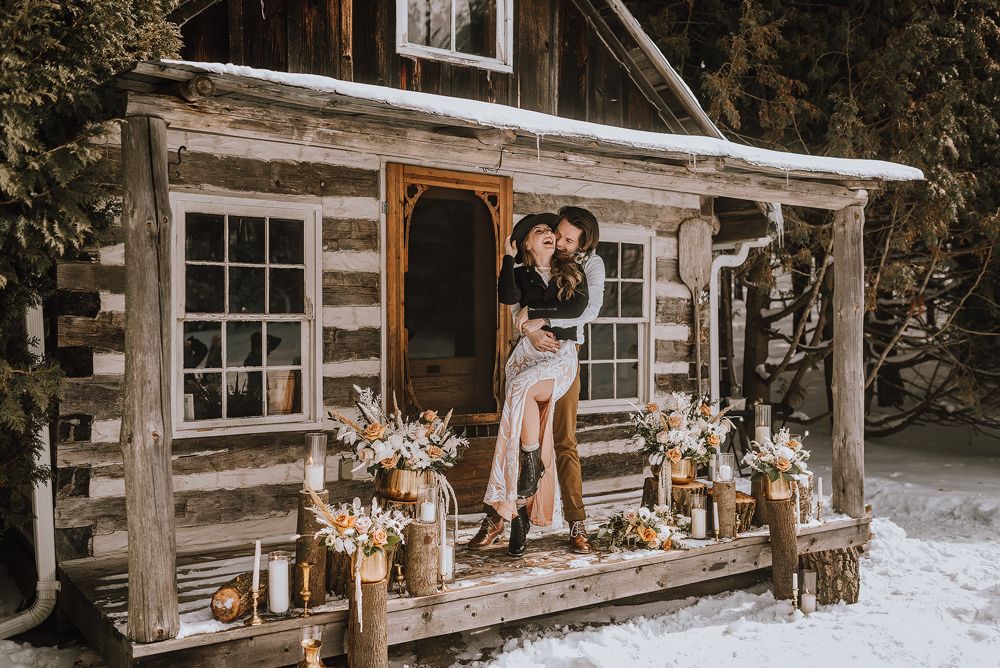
795,600
819,511
305,593
254,619
400,579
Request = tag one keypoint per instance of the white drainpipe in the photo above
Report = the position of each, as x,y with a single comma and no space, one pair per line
720,261
45,543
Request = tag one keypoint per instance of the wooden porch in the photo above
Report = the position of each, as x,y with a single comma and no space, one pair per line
491,588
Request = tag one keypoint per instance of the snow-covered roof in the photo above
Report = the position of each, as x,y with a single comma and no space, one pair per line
490,115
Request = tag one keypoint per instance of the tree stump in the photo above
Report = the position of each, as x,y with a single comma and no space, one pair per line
681,494
368,646
421,568
745,506
805,500
308,549
838,574
235,599
724,496
784,545
339,578
758,490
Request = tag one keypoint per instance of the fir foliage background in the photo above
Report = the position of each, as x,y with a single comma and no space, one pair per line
56,105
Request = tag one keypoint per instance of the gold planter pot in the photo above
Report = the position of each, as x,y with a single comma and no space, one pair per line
374,568
684,471
400,485
780,489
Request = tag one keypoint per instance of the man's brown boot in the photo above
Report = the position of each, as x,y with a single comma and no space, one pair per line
491,529
578,543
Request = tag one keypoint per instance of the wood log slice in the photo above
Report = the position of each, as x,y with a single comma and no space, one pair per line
784,545
339,578
838,574
724,496
805,500
235,598
758,490
368,642
308,550
745,506
421,568
681,494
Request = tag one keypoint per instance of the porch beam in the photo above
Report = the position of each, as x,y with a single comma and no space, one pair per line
848,362
411,142
146,420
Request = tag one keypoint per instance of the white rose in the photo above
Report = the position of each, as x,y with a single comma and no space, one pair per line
786,452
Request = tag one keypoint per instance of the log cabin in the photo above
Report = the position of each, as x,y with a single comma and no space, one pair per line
315,198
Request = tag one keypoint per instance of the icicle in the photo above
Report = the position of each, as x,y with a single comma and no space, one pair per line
538,148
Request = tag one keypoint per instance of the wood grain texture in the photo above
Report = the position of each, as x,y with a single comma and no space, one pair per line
784,549
146,419
848,362
100,396
308,550
662,218
235,598
724,496
340,345
91,276
104,334
368,640
422,550
340,391
351,288
350,234
838,574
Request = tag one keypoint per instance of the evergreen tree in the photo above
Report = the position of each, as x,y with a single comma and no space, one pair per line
57,102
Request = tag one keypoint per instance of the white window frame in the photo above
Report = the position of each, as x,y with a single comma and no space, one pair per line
631,235
504,40
182,203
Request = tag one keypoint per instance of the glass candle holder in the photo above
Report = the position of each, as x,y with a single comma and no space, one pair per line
725,467
808,597
427,502
278,581
712,465
310,634
699,516
446,564
314,473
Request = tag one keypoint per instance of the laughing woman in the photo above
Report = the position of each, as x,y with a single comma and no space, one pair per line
548,284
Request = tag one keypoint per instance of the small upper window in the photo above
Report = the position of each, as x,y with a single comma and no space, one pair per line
467,32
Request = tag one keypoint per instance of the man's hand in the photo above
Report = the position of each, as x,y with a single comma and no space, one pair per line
525,325
543,341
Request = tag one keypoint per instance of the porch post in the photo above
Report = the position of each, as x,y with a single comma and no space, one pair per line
848,362
146,420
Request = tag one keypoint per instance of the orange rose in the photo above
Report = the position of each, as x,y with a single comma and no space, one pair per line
390,462
783,464
652,408
379,537
675,421
706,410
648,534
674,454
434,452
713,439
794,445
343,521
375,430
430,416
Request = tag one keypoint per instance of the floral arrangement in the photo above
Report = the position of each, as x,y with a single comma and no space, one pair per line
383,441
636,529
692,430
348,529
782,457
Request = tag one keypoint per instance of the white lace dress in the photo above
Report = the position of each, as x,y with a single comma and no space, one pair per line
526,367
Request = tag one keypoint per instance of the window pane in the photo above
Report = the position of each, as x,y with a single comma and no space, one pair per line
203,237
286,241
288,291
204,288
202,396
631,261
584,382
602,378
202,345
243,344
602,342
429,23
476,27
631,300
628,379
284,392
584,353
246,289
609,309
244,394
285,341
609,253
246,239
628,342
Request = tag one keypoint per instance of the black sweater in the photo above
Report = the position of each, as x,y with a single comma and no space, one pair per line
523,285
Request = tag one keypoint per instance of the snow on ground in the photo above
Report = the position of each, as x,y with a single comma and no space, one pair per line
24,655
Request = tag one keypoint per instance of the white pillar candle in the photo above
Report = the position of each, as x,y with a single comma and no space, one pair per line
725,473
316,477
819,490
698,517
447,564
256,566
715,516
427,511
795,580
808,603
277,585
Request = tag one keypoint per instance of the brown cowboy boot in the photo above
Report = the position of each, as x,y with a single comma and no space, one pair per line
578,543
491,529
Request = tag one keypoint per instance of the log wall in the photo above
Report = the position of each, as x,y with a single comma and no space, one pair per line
235,487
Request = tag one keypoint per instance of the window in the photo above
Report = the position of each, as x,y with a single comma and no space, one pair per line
467,32
245,288
613,361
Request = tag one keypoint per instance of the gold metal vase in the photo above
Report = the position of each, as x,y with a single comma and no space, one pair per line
399,485
311,660
374,568
779,489
683,471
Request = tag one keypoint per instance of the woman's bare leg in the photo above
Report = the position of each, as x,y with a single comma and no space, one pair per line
538,393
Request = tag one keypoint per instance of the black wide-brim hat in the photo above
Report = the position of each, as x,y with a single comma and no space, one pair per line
527,224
